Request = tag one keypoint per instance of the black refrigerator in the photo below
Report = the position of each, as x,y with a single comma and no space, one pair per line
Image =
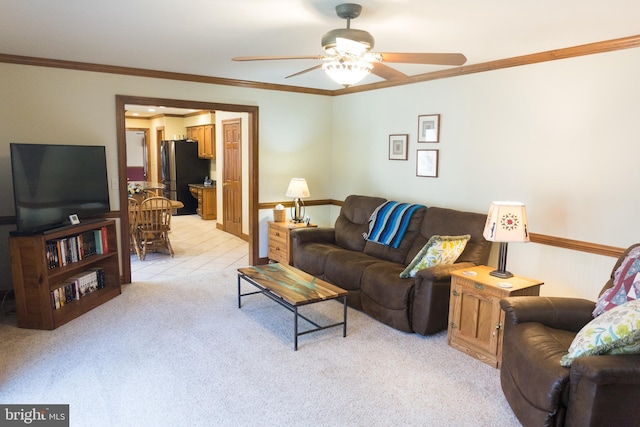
181,166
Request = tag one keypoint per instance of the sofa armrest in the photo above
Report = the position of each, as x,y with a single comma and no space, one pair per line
301,236
430,306
441,272
604,390
606,369
569,314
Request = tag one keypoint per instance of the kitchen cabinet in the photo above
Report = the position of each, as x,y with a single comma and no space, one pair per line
206,196
205,135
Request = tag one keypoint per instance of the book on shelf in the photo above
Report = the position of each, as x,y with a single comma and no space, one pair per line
105,247
97,237
78,286
63,251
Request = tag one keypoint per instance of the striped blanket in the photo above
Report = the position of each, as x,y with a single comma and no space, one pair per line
389,223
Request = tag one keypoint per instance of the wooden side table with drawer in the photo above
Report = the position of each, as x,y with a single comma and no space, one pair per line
475,317
280,240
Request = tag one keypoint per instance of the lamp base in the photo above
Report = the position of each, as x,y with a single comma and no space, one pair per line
501,274
297,211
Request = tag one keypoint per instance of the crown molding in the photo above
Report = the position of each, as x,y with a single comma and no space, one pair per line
551,55
141,72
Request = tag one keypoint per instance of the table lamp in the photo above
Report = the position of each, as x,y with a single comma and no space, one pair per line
298,189
506,222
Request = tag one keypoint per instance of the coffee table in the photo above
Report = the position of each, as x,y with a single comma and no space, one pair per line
292,288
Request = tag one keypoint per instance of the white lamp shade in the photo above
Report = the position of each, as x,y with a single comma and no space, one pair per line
506,222
298,188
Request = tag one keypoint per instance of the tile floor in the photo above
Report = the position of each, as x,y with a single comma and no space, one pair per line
198,246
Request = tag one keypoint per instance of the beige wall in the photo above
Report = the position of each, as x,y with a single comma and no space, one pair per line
67,106
558,136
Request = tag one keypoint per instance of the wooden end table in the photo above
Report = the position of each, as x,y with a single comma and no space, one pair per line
279,237
475,317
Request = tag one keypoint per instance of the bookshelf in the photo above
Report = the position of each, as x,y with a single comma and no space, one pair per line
37,274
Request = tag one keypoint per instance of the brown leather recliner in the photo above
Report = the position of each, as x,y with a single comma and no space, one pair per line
594,391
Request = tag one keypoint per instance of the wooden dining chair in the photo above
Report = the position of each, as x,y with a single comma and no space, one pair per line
134,231
155,224
147,192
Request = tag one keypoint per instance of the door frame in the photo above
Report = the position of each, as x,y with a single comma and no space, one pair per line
252,174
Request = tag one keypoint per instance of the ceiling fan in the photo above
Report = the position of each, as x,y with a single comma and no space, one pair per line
349,58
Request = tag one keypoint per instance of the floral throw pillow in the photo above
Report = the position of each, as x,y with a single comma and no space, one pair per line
617,331
438,250
626,284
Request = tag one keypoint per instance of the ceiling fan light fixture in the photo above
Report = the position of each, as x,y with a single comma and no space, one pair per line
334,40
347,72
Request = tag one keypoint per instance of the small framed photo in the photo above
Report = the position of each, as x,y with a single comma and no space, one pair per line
398,145
429,128
73,218
427,163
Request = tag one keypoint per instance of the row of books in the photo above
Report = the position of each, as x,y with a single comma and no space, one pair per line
77,286
70,249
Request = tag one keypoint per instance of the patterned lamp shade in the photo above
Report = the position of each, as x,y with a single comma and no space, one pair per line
506,222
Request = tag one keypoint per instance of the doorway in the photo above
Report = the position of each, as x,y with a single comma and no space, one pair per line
252,165
137,154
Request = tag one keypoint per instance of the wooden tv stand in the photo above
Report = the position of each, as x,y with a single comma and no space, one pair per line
35,278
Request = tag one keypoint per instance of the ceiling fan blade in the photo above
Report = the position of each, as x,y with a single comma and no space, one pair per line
424,58
271,58
304,71
386,72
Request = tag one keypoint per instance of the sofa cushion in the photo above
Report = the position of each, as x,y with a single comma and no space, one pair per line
345,268
617,331
450,222
626,284
312,257
385,296
398,254
438,250
353,221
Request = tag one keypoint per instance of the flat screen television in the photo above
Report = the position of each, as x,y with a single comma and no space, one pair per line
51,182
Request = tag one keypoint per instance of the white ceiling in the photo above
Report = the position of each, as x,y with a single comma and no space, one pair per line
142,111
201,36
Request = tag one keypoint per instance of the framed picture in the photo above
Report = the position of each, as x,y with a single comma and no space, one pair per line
398,146
427,163
429,128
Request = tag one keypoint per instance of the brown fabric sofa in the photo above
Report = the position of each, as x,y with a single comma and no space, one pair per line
595,391
371,272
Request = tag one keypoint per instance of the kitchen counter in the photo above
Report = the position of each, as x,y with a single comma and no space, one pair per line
206,196
202,186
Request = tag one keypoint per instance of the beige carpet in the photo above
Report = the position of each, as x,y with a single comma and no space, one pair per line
181,353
